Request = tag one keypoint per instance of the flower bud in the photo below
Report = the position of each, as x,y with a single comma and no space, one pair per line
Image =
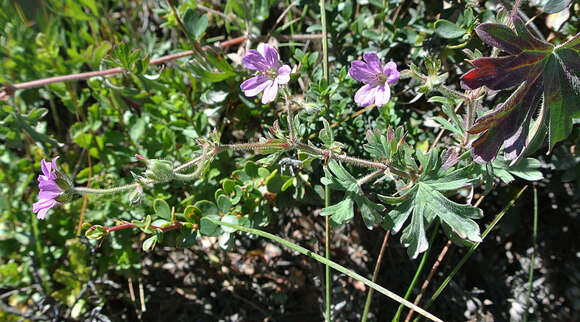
160,170
136,196
141,158
96,232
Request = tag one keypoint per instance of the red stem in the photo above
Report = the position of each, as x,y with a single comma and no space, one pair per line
9,90
175,225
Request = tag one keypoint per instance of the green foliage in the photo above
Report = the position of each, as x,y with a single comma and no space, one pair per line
424,201
194,23
553,6
337,178
191,109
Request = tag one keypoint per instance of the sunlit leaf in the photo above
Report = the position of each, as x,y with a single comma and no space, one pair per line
547,75
553,6
425,202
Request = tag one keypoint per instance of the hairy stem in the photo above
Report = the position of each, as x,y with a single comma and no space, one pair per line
94,191
369,177
327,189
324,40
290,117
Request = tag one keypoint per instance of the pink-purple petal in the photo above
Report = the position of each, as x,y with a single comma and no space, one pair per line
259,88
49,185
253,82
254,60
361,72
270,54
283,75
49,189
376,89
270,93
373,61
46,194
365,95
392,73
270,75
54,167
41,213
382,95
42,206
45,167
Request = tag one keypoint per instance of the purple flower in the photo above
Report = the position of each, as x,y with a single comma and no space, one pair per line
49,189
376,90
270,73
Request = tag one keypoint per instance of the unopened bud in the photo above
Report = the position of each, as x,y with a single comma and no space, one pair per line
160,170
68,192
136,196
141,158
96,232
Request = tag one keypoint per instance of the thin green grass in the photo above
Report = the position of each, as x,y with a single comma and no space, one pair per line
332,264
472,249
533,259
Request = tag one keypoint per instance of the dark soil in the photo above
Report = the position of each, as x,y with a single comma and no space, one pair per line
261,281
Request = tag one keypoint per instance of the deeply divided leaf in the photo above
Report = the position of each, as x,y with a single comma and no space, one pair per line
425,202
338,178
547,75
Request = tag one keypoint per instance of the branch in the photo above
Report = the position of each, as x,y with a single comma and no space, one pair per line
173,226
10,89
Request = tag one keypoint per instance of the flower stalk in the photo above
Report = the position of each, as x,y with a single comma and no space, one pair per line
107,191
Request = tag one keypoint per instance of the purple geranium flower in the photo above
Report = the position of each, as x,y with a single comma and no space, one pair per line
270,73
376,78
49,189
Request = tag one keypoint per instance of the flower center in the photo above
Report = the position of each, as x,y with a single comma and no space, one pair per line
381,78
272,72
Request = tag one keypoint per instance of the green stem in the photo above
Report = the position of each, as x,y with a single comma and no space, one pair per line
248,146
39,250
341,157
369,177
327,189
470,117
324,40
418,271
94,191
186,177
317,151
375,276
291,26
290,117
327,252
473,248
187,165
332,264
451,92
534,234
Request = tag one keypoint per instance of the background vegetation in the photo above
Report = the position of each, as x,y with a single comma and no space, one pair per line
50,271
